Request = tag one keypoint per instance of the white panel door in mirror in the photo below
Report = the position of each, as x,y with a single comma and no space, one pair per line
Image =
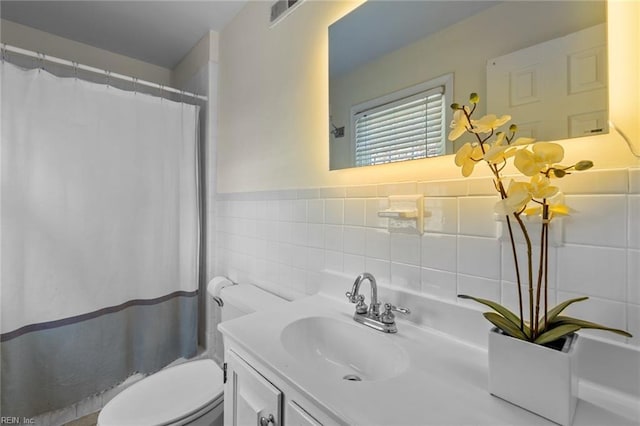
573,100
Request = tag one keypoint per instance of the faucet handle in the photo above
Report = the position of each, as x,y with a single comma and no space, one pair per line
350,296
389,307
361,307
388,317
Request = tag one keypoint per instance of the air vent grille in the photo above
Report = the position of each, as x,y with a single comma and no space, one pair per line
279,8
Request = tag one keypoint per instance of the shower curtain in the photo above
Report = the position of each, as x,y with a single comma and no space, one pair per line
99,237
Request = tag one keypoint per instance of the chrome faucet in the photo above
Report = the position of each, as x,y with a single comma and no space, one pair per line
370,316
354,297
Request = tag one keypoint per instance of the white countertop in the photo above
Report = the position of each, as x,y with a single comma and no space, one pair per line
445,383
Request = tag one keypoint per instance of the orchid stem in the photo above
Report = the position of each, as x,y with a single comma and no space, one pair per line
503,195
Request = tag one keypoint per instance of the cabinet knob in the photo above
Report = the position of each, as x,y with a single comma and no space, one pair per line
265,421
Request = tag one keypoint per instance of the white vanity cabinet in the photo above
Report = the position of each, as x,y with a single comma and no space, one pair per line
254,396
298,416
249,398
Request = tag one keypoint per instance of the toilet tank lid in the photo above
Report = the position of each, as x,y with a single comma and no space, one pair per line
249,298
167,396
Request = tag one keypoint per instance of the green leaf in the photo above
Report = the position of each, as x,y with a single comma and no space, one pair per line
556,333
562,320
505,325
557,310
506,313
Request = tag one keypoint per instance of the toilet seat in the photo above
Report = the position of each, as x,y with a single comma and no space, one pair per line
171,396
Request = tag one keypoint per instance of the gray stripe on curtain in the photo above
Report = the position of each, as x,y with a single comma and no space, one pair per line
150,334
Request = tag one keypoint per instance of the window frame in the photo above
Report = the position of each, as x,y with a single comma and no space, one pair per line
356,111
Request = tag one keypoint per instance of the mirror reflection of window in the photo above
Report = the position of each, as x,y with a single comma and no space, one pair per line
405,125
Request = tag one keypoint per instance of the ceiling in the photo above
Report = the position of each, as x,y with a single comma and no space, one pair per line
157,32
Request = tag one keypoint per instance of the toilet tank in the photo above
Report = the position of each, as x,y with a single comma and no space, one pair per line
243,299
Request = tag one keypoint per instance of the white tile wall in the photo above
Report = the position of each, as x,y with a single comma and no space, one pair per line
633,276
479,257
476,217
406,276
439,251
284,239
377,243
598,220
354,211
593,271
354,240
634,222
405,248
334,211
440,284
441,215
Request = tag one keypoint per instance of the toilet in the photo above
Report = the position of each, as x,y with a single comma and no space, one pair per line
190,393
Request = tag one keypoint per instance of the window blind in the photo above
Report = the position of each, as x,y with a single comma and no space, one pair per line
404,129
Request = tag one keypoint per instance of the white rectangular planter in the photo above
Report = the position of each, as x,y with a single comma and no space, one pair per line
537,378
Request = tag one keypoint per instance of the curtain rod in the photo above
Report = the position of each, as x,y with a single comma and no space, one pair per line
109,74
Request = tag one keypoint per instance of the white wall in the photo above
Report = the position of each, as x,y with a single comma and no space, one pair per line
274,103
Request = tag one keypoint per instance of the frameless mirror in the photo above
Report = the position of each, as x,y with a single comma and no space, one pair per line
396,66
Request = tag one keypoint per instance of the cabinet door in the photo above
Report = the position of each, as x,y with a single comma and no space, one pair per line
298,416
249,398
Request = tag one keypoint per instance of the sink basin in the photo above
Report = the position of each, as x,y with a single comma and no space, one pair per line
341,350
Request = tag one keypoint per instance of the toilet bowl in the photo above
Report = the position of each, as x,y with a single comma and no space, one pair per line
190,393
187,394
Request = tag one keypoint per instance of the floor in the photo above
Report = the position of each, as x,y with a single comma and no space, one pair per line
90,420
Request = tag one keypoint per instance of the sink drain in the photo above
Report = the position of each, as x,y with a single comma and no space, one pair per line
352,378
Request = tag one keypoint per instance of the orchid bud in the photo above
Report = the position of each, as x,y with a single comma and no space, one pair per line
455,106
558,173
474,98
583,165
513,128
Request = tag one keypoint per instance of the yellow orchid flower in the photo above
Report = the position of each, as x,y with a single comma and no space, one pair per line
540,187
518,196
525,161
543,154
459,124
488,123
467,157
548,152
533,211
496,154
559,209
500,151
523,141
554,210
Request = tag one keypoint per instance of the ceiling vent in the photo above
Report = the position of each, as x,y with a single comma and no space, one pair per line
280,8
